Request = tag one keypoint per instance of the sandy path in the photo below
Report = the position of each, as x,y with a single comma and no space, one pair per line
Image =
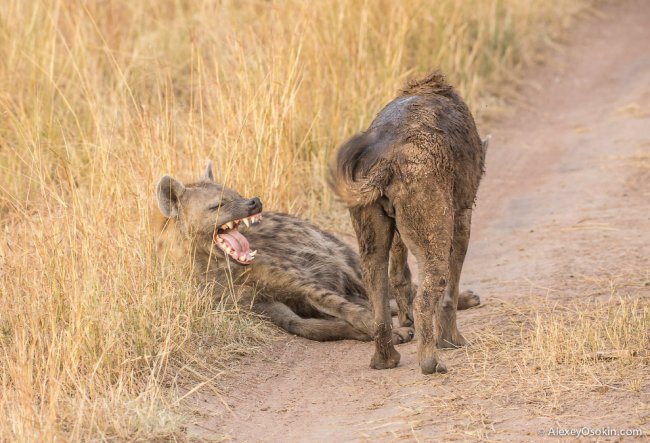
565,196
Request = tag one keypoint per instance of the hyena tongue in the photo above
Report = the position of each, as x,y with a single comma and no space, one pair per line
236,240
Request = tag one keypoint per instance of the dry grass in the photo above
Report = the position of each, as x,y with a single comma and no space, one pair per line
99,98
555,351
550,354
536,361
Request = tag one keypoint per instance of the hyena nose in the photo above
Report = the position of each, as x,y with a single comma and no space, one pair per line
254,205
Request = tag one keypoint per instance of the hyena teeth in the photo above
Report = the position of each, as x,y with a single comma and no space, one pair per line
252,253
234,255
246,222
230,225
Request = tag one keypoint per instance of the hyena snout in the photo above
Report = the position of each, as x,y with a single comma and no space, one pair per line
254,205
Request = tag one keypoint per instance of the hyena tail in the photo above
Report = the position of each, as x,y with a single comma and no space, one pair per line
361,172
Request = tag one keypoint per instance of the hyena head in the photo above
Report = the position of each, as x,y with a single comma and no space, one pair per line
209,214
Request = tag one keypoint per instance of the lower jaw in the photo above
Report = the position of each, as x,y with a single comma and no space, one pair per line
248,263
217,250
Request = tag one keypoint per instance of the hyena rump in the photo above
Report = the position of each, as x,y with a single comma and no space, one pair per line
410,181
305,280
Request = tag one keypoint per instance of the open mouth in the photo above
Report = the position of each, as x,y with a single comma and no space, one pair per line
228,238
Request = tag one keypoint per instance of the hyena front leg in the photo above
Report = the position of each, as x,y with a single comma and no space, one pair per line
401,285
466,299
311,328
462,225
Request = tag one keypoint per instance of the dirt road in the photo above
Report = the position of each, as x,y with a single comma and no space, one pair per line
563,217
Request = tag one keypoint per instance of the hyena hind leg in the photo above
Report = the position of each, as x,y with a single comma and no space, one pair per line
359,316
312,328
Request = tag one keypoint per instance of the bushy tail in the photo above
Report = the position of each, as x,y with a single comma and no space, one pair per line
360,174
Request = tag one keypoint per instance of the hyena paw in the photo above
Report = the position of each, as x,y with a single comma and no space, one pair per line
403,334
468,299
431,364
405,318
451,341
385,362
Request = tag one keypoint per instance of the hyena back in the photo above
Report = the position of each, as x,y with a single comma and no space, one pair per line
410,181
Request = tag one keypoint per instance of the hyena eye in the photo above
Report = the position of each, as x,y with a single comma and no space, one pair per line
215,206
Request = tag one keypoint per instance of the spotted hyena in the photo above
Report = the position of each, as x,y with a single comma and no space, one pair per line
410,181
303,279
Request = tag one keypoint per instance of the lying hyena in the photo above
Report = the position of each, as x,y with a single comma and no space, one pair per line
305,280
410,180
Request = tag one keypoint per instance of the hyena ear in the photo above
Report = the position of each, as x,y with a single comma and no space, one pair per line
485,143
208,175
169,191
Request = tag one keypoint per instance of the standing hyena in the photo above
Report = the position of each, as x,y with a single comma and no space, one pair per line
305,280
410,181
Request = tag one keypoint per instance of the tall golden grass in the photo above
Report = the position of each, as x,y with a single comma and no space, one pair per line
99,98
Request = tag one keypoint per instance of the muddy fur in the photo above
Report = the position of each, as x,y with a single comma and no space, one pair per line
410,182
303,279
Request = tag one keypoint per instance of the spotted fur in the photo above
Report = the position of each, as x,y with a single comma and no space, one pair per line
305,280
